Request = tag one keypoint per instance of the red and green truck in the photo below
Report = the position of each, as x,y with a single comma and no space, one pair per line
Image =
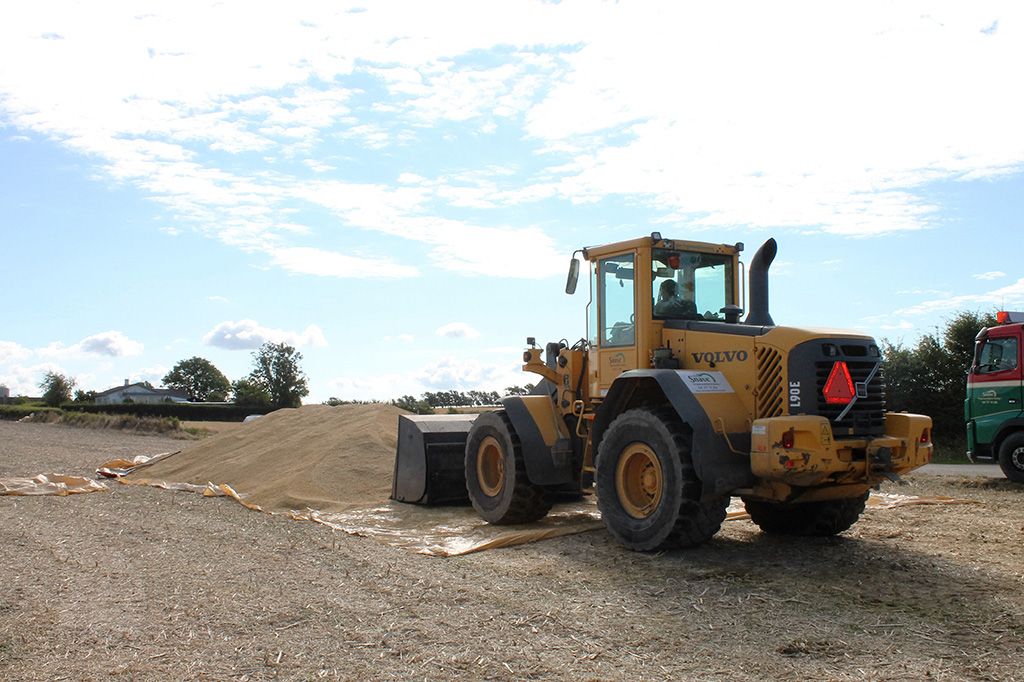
993,409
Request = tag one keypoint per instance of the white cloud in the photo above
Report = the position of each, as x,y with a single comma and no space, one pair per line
112,343
154,375
24,379
318,166
902,325
310,261
994,274
457,330
750,132
445,374
1010,296
13,352
249,334
400,338
218,299
466,375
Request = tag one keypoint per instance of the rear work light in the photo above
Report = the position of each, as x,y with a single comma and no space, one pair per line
839,388
788,438
926,436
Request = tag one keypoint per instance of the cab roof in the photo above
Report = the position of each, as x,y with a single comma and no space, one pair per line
656,241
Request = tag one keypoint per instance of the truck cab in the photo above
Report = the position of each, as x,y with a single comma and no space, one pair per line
994,405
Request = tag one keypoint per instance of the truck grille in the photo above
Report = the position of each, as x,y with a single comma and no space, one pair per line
867,416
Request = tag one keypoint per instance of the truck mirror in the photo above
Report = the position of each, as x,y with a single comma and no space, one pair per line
574,275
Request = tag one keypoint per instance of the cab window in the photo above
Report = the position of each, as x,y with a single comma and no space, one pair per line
996,355
617,307
693,286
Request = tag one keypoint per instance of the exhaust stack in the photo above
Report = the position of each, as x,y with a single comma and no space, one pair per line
759,265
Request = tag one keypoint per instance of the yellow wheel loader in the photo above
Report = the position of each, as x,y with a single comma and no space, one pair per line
672,405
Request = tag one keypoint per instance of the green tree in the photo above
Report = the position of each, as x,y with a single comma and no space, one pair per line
929,377
200,379
249,394
407,402
85,396
56,388
277,372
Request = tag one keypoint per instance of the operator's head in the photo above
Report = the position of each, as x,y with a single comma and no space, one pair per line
667,290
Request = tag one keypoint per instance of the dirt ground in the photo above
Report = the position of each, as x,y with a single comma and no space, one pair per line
139,583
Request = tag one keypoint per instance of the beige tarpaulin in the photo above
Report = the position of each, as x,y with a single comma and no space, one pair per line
116,468
49,484
455,531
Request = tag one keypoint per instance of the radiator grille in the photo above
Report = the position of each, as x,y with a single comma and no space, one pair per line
867,416
770,396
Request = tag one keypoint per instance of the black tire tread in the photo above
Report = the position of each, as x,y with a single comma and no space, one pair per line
809,519
529,502
1011,443
697,520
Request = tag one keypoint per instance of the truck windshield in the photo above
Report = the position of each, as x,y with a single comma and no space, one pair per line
996,355
691,286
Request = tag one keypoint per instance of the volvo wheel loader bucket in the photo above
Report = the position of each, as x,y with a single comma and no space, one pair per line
431,459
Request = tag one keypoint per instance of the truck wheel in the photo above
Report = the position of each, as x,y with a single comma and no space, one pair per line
496,474
647,490
1011,457
830,517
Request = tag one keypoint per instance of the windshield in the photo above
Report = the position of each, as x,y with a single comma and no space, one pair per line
691,286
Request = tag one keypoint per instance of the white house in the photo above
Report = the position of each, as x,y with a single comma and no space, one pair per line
140,393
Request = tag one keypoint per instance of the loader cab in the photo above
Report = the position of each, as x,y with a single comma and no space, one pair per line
626,318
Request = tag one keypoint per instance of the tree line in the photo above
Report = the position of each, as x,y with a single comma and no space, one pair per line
276,380
929,377
926,377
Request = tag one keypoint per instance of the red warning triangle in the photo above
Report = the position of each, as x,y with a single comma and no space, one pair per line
839,386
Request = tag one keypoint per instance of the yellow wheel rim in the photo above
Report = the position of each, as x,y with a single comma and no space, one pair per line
638,480
490,466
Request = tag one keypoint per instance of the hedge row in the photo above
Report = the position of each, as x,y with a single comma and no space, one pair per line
197,412
15,412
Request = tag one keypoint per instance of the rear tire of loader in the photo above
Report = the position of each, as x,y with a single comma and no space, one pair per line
1011,457
820,519
496,476
647,490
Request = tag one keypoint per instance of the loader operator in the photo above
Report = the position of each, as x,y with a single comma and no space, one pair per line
670,304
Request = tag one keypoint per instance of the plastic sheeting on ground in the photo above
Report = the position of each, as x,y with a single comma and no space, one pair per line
116,468
50,484
454,531
440,531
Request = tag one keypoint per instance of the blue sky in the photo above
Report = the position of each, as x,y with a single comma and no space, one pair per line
395,188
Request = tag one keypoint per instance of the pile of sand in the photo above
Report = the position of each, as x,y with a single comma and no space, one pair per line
317,457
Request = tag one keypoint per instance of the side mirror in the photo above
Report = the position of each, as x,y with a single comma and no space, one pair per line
574,275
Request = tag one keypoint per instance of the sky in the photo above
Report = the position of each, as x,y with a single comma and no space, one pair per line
396,188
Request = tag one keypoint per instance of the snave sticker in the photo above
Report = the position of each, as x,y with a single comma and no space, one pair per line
705,382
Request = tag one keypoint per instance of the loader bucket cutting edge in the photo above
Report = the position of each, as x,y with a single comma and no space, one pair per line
430,459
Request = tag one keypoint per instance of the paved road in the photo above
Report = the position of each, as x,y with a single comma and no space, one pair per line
988,470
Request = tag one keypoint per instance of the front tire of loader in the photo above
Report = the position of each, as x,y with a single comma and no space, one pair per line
1011,457
647,490
820,519
496,474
